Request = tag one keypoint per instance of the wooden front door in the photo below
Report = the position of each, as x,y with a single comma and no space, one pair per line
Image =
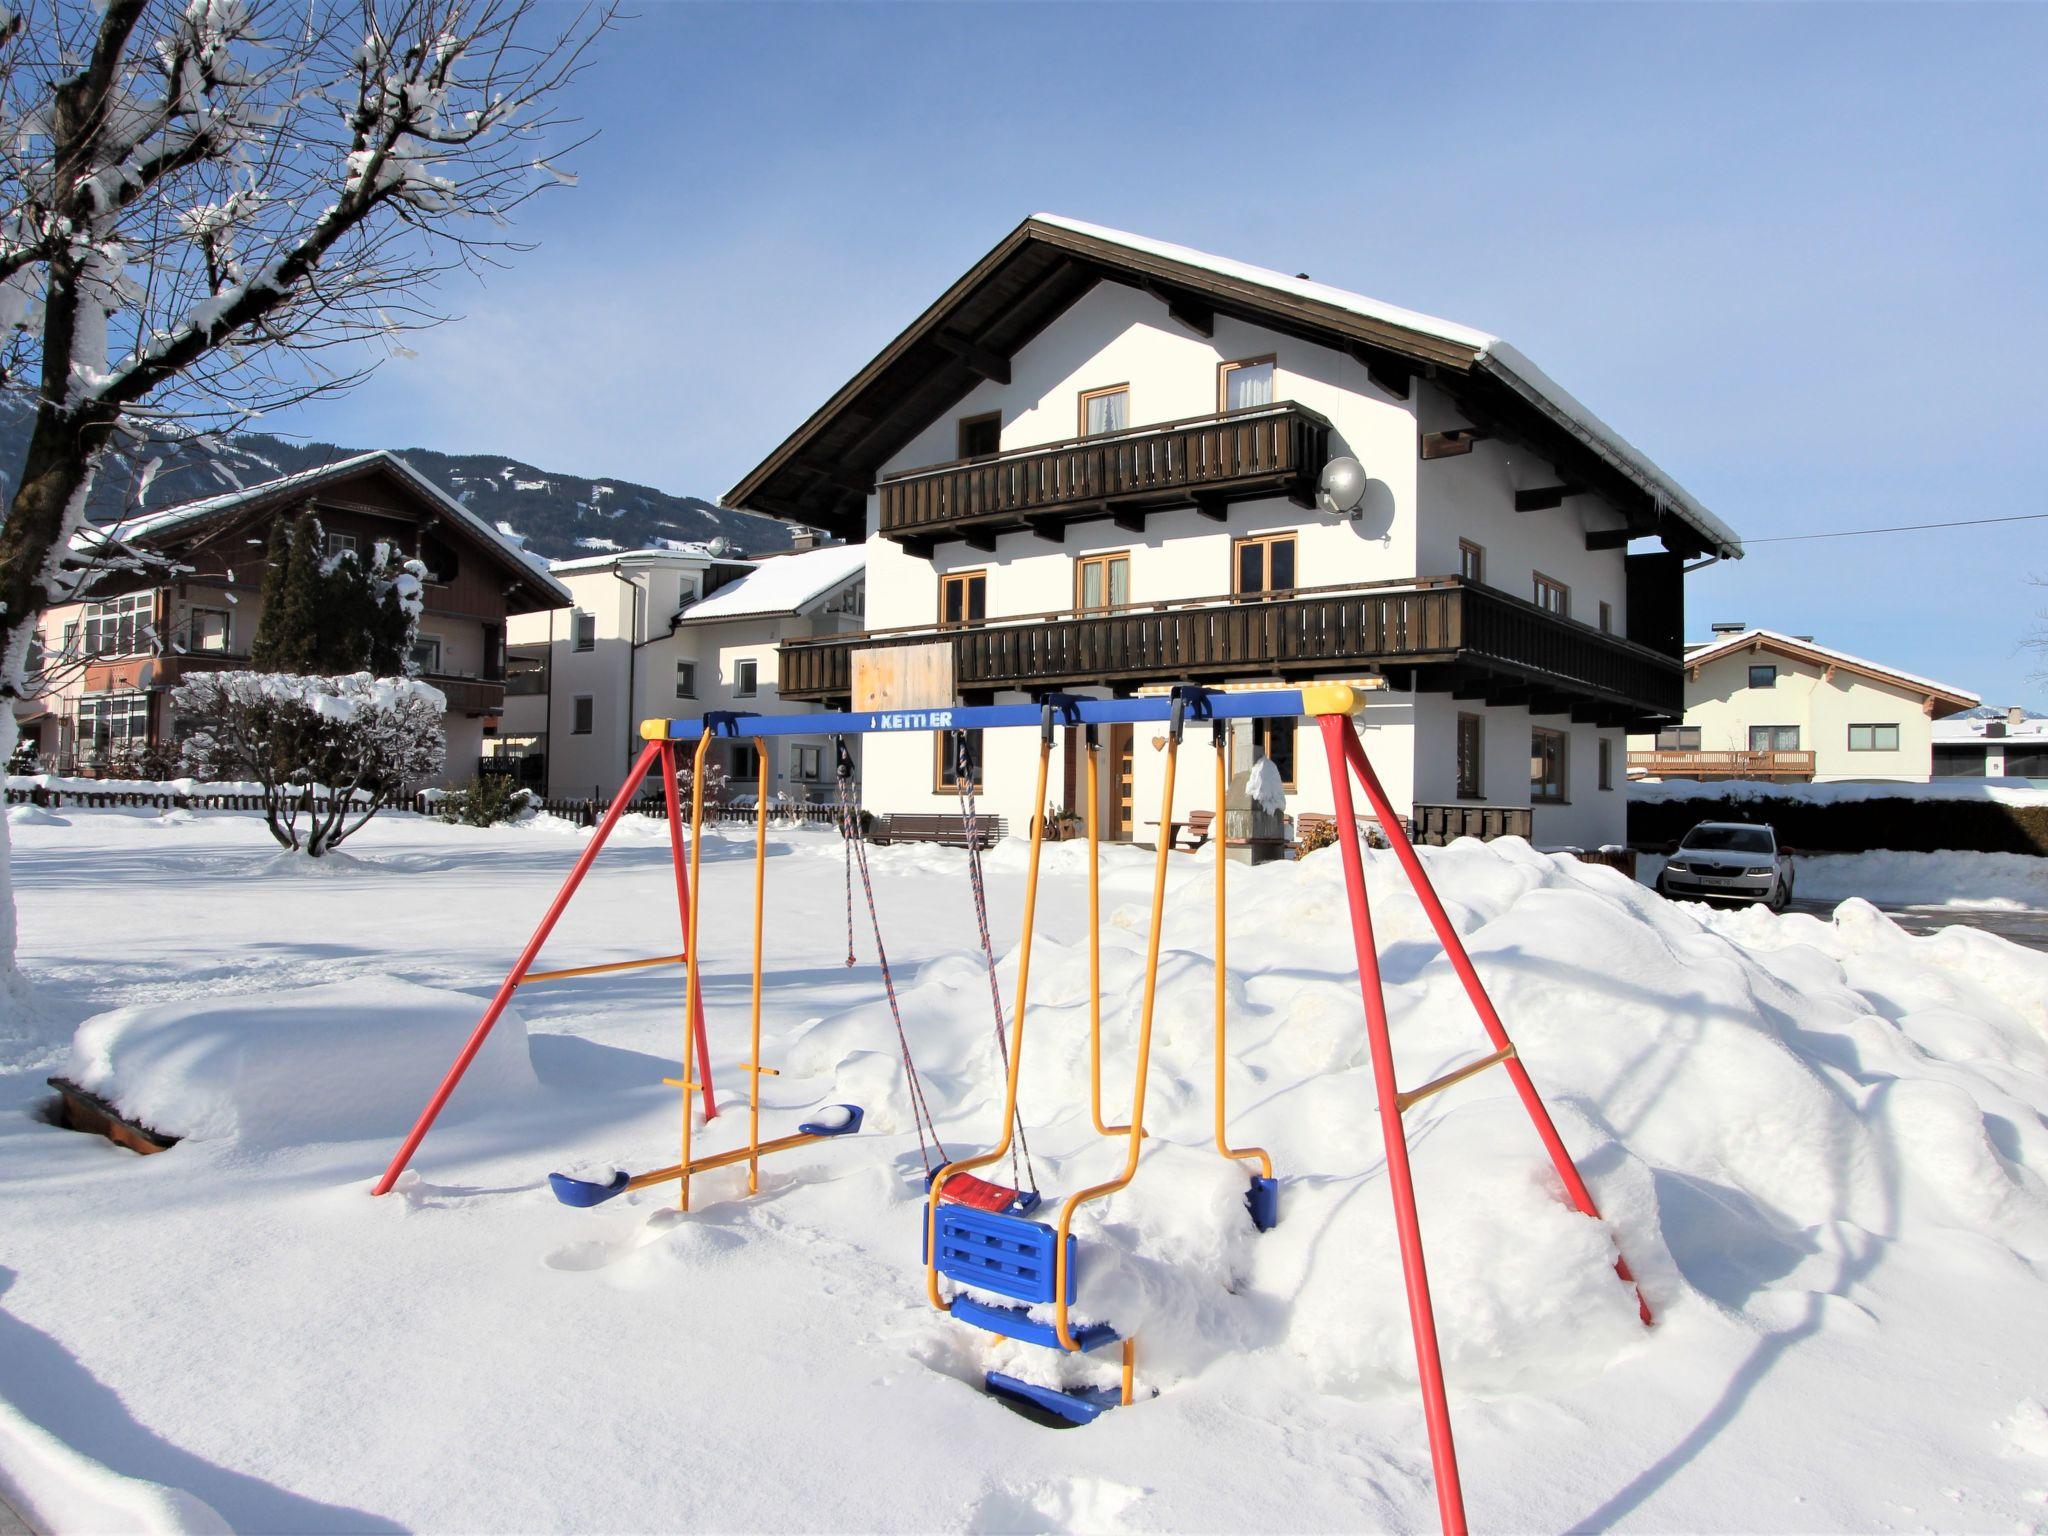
1122,776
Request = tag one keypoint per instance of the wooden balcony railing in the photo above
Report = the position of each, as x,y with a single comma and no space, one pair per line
1670,763
1206,461
1439,622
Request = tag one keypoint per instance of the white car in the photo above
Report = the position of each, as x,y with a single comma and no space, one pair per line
1729,861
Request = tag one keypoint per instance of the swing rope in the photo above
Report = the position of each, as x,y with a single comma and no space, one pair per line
849,823
963,780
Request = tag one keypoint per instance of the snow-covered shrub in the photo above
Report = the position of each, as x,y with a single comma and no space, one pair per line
487,800
357,740
1314,835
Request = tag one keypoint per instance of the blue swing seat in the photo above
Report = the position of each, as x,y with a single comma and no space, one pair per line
1081,1405
1011,1257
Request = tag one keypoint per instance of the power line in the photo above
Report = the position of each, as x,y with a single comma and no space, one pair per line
1858,533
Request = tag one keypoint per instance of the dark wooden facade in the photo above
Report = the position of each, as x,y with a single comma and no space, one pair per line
1438,634
1205,461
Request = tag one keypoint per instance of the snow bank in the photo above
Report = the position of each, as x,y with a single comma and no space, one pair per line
62,1490
334,1062
1947,879
1992,791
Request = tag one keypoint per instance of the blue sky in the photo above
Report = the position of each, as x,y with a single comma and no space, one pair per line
1797,255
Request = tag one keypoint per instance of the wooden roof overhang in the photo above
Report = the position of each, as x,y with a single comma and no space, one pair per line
823,473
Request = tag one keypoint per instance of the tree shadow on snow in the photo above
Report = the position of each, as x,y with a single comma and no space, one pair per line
49,1386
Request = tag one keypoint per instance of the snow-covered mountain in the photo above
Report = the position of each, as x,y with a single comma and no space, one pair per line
561,516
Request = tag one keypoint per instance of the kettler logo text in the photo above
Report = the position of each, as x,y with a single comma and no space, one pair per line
912,720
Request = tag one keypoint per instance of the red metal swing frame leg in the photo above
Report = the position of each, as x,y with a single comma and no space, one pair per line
1443,1455
675,844
1454,947
519,968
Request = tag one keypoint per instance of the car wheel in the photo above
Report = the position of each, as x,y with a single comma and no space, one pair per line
1781,895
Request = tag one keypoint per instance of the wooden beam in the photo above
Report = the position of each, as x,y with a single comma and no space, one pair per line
1198,315
1215,508
1451,442
990,365
979,538
1052,529
1130,519
1611,538
1303,498
1390,373
1544,497
917,549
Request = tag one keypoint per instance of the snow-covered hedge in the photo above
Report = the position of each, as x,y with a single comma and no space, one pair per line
1975,816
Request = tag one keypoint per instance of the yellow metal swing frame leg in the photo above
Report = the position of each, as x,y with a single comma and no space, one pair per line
1222,844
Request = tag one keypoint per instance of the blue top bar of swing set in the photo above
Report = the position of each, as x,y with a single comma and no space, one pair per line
1197,704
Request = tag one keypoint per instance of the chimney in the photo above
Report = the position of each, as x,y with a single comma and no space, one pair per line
2015,717
1727,628
801,539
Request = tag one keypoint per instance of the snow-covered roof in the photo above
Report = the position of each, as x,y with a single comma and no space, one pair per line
695,554
1794,645
155,525
1496,355
1973,727
781,584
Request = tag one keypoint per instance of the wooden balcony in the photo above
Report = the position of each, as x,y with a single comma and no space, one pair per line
1673,764
1206,462
1438,634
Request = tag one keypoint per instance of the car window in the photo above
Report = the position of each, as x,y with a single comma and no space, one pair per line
1733,839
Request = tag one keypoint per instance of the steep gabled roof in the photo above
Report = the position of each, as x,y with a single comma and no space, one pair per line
172,522
820,473
1941,694
781,584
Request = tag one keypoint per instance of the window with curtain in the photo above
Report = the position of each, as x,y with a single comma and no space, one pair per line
1774,738
1874,738
1105,410
1102,581
1247,384
1679,738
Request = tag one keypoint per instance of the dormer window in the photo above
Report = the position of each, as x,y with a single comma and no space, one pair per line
1105,410
1243,385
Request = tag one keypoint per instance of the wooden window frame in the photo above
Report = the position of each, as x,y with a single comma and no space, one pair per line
1478,789
1288,536
978,419
227,630
1225,370
1605,753
946,579
942,742
1564,767
1797,736
1478,553
1874,726
1537,582
1081,409
1265,727
1102,558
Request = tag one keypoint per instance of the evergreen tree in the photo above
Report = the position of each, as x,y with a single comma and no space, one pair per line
289,636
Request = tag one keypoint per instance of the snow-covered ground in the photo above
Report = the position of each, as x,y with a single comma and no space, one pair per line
1820,1144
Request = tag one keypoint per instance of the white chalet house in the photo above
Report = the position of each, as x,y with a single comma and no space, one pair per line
1760,704
670,632
1090,467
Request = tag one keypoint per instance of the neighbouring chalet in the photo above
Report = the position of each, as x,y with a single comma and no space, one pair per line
674,631
108,664
1764,705
1091,466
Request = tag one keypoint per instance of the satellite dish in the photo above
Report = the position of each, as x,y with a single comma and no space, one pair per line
1341,490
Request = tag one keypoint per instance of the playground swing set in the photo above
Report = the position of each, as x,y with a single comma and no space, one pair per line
978,1234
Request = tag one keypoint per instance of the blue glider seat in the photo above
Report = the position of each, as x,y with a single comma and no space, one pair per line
1083,1405
1017,1323
585,1192
833,1120
1263,1201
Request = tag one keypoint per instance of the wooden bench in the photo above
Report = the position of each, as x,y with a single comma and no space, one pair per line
934,827
1187,836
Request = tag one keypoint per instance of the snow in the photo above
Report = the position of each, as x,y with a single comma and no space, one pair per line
781,583
1762,791
1819,1143
1947,879
1709,650
332,1062
1492,352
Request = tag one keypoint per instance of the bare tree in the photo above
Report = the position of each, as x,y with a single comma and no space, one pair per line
209,207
